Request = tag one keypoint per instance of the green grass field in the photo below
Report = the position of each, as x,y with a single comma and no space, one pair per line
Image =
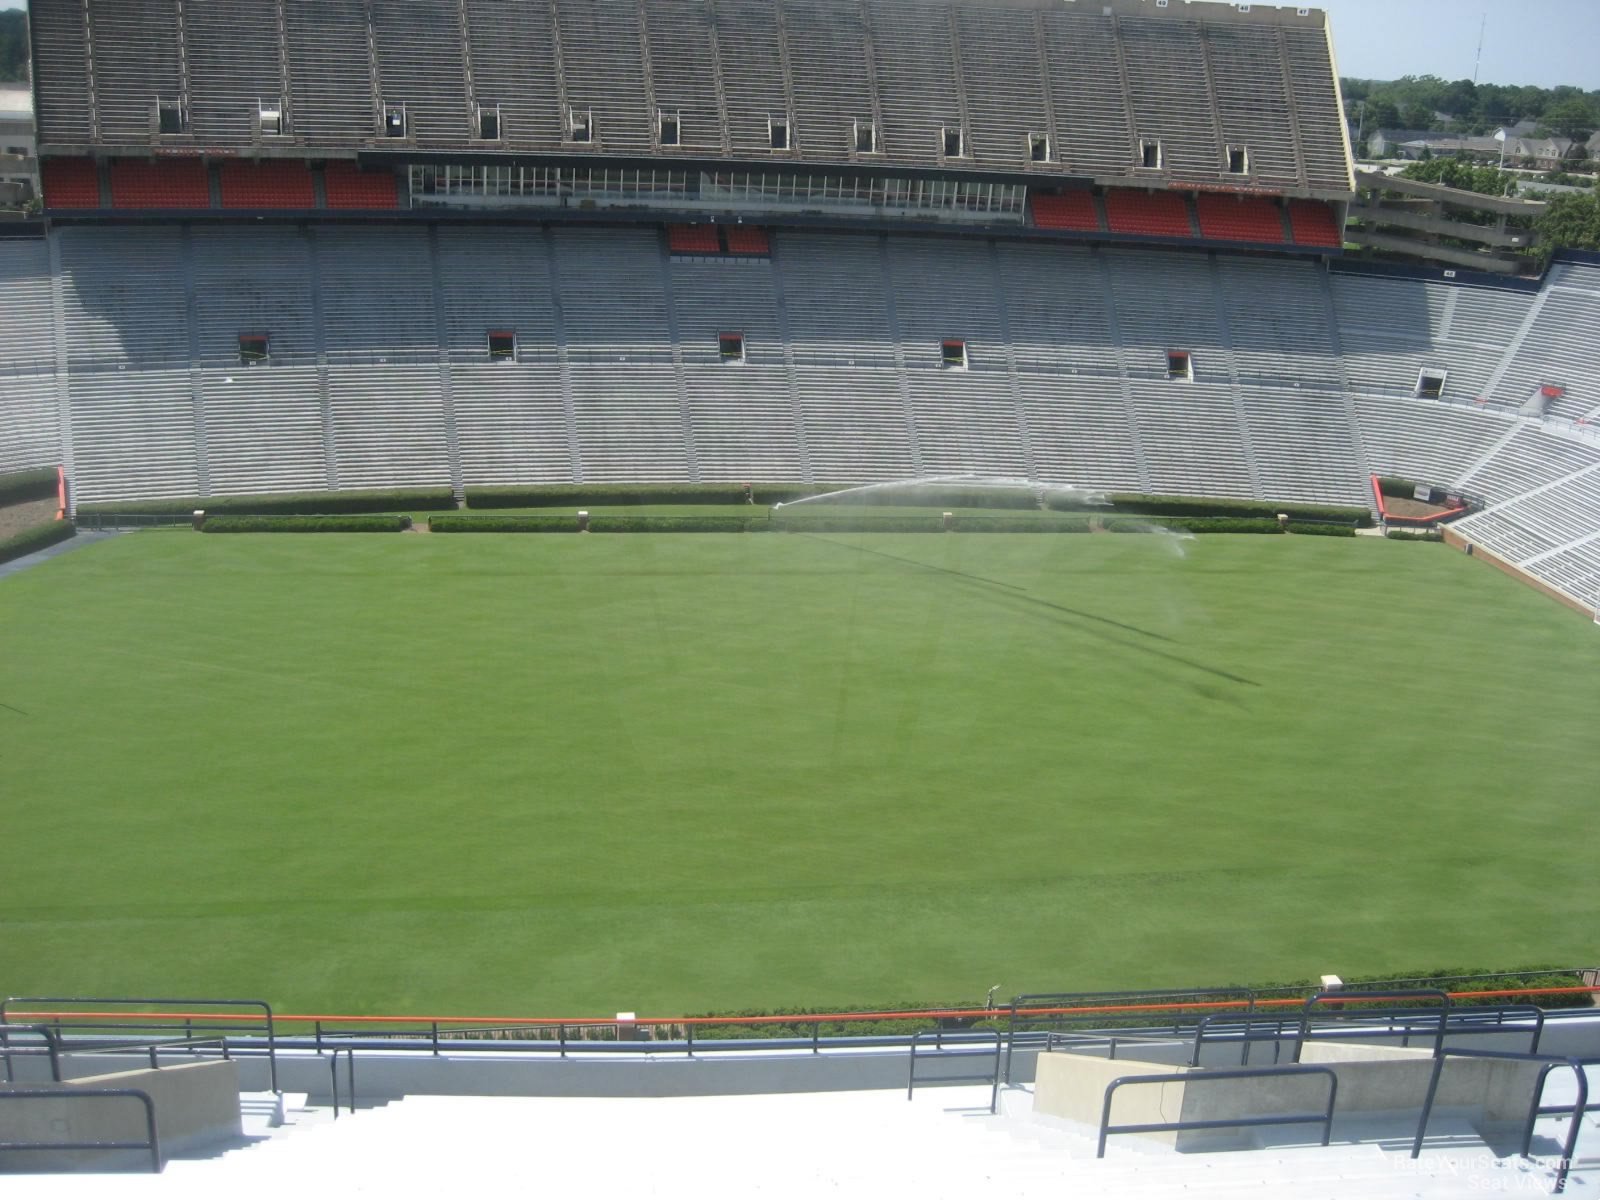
567,776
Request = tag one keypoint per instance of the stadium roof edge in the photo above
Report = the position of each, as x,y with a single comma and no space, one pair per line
1192,10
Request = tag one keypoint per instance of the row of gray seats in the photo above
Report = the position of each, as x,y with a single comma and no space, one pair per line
885,78
379,370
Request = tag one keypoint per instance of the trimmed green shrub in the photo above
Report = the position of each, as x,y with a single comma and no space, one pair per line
1516,980
20,486
823,518
1519,978
939,496
385,500
617,523
969,522
826,519
1197,525
470,523
1202,506
346,523
596,495
1414,535
36,538
1322,529
599,523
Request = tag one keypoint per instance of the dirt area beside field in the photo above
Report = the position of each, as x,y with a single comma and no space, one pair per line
14,518
1404,506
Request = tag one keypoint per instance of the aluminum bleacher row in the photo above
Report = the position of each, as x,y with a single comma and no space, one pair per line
1298,382
1119,91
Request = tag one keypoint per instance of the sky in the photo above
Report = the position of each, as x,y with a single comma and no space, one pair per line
1542,42
1539,42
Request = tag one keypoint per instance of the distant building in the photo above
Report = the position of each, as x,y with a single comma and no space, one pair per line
1386,143
1522,129
19,160
1539,154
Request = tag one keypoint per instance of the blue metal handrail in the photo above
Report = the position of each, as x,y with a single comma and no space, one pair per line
152,1141
1325,1118
962,1043
350,1076
157,1022
1341,996
1246,996
1454,1022
52,1048
1535,1110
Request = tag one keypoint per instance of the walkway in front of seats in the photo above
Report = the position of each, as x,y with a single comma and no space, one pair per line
39,556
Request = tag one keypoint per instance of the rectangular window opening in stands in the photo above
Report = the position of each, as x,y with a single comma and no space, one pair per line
252,349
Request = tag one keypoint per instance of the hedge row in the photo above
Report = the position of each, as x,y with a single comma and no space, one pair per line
826,520
20,486
1414,535
599,523
1322,529
938,495
1203,506
346,523
36,538
1524,978
583,495
386,500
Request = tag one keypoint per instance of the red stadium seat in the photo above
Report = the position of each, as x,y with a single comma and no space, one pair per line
1154,214
161,184
1314,223
1070,210
70,183
348,186
1239,218
747,239
267,185
693,239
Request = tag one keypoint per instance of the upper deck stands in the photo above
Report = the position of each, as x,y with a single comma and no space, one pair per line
1107,93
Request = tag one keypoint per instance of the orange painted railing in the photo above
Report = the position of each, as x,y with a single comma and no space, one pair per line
1396,519
777,1018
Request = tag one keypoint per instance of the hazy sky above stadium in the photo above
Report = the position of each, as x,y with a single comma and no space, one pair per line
1542,42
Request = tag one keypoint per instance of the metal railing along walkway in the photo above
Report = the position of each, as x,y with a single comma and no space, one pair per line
1324,1118
151,1143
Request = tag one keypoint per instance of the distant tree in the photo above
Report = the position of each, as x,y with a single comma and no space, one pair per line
1573,117
1572,221
1417,116
1473,108
1460,99
1464,175
1381,114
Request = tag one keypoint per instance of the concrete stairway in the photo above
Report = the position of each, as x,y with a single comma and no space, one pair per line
944,1143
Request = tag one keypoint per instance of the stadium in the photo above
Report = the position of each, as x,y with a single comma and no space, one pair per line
916,372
